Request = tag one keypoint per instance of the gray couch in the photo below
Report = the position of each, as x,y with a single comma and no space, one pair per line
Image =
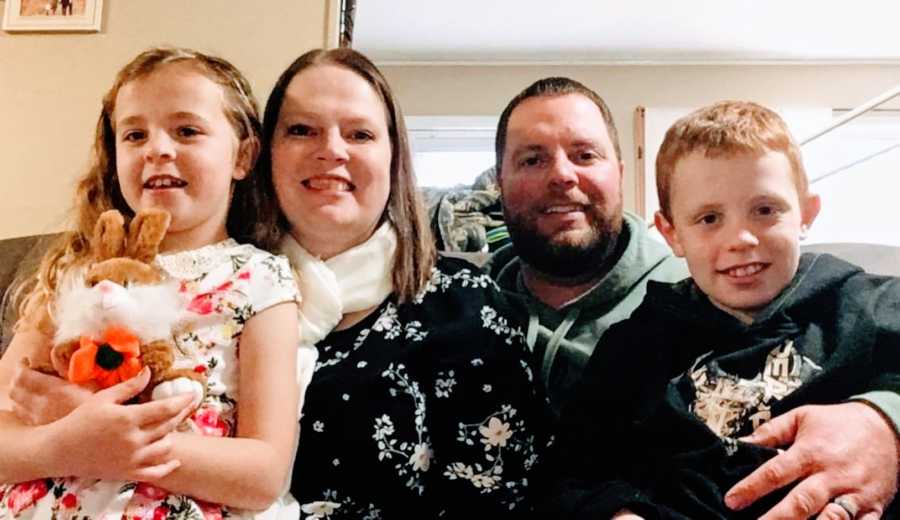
18,257
22,255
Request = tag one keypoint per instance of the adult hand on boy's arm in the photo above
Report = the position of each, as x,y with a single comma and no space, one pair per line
38,398
846,450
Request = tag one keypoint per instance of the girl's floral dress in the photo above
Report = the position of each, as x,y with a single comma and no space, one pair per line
425,410
224,285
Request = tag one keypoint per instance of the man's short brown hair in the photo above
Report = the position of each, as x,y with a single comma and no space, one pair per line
552,87
725,129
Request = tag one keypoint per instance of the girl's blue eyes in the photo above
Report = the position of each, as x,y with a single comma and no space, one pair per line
185,132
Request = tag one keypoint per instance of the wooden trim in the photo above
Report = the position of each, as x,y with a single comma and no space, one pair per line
640,168
348,20
332,23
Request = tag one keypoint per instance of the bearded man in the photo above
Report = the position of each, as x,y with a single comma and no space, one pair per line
581,263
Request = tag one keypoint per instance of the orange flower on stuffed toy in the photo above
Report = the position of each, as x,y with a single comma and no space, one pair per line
115,358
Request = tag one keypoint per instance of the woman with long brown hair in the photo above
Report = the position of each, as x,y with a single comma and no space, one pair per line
422,403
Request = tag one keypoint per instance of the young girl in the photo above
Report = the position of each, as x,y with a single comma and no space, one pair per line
179,130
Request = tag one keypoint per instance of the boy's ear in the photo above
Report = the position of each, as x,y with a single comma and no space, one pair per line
248,151
668,232
811,206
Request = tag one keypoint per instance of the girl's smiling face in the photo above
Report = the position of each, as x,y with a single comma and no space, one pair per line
177,150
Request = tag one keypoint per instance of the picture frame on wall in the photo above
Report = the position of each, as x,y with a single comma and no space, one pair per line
53,15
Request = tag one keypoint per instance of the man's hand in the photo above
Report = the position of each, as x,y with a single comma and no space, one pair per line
846,450
41,399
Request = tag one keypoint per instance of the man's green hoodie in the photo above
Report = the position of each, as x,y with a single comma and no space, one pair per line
563,339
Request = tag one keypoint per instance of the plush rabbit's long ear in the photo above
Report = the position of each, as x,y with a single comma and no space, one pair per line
109,236
146,233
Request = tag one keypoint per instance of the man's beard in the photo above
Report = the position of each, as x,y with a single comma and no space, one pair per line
575,261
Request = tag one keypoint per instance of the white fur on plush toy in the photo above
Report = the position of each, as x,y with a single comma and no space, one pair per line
150,312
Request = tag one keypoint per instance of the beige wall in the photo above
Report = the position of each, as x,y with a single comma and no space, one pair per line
51,85
472,90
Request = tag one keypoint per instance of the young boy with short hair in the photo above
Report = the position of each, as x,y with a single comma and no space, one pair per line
757,330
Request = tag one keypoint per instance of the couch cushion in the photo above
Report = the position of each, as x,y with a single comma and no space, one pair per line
874,258
17,256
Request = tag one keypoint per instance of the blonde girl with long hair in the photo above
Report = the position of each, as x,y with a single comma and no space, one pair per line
179,130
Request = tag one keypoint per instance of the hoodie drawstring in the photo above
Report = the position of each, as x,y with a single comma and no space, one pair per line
553,344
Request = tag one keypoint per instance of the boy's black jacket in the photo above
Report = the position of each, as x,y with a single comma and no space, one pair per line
629,440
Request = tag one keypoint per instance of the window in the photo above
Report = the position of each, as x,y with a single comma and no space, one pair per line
451,150
855,169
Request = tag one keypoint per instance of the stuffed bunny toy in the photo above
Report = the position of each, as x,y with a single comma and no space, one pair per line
121,315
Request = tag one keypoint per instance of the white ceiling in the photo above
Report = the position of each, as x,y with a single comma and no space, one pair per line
653,31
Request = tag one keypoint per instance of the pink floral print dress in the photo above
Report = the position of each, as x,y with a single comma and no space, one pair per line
225,284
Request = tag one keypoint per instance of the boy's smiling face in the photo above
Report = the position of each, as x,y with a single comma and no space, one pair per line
737,221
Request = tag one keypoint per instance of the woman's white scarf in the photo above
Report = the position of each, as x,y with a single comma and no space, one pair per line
357,279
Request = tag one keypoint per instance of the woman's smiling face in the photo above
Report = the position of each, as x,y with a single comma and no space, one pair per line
331,159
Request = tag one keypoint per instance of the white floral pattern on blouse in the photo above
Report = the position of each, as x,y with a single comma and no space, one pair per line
429,405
